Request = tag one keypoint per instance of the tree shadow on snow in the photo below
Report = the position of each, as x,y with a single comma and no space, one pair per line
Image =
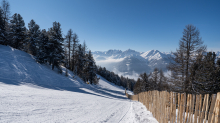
96,91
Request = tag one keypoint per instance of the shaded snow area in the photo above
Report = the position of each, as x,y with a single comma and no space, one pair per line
31,92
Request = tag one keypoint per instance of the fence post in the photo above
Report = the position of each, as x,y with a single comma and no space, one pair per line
212,108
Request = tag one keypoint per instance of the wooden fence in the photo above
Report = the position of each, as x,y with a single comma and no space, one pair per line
171,107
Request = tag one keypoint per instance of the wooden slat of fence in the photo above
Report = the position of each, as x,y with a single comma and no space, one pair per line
211,107
152,101
215,116
196,108
170,107
160,107
190,105
192,108
174,107
200,107
203,109
147,99
167,106
153,109
156,104
150,106
187,109
207,107
164,105
184,105
181,108
178,113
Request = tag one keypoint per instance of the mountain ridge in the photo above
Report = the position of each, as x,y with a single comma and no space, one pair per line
130,61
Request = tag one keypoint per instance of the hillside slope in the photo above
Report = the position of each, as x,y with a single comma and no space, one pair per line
31,92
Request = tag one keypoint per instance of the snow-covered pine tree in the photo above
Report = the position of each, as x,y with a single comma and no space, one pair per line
68,45
74,57
2,28
56,55
6,14
43,51
17,32
80,63
91,69
33,34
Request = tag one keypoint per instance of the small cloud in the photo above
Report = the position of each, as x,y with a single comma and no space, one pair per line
134,75
109,60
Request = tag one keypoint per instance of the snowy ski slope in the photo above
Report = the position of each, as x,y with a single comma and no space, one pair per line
31,92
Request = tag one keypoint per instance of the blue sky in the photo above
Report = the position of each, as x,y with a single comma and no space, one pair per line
140,25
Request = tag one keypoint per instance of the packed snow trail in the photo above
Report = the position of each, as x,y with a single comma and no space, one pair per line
31,92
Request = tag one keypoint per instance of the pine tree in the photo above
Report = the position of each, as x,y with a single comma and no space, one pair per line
137,86
2,28
43,51
91,69
80,63
74,53
162,80
6,15
33,34
205,79
154,79
17,32
177,68
145,84
56,55
69,40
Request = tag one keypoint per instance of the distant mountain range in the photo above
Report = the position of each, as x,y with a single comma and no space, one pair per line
131,63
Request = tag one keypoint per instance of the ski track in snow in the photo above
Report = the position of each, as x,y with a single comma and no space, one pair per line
33,93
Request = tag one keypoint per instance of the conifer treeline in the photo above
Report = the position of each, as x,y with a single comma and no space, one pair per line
50,47
47,46
193,70
114,78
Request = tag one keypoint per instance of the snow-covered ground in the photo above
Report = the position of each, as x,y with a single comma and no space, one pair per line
31,92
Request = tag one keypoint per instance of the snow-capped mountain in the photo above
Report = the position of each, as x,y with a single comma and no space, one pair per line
131,62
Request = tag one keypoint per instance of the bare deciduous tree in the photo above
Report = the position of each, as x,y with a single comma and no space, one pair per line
6,10
190,45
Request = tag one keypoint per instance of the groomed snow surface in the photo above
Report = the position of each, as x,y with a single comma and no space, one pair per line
31,92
